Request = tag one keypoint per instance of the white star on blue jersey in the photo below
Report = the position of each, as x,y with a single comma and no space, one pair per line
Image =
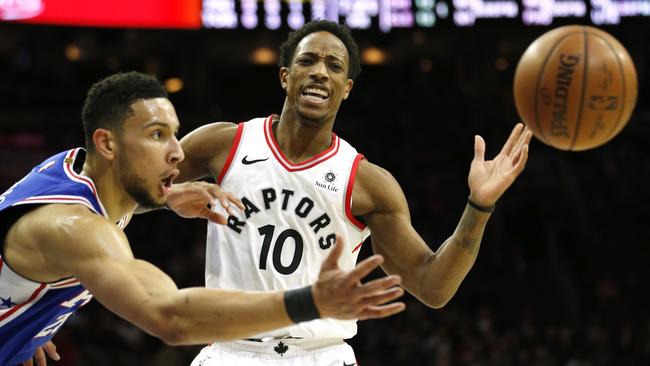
6,303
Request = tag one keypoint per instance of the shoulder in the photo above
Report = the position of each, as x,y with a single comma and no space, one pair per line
206,150
51,241
73,230
210,137
375,190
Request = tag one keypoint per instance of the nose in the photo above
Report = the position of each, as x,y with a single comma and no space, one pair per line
319,70
176,155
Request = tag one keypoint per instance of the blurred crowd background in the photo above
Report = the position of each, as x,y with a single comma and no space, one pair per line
562,275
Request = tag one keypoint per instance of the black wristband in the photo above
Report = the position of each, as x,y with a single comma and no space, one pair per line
480,208
300,305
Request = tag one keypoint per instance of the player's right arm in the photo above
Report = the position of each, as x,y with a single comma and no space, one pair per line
206,150
97,253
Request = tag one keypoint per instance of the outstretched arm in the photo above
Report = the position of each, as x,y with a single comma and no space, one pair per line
94,251
434,277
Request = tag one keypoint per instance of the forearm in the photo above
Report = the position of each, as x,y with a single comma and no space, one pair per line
467,237
199,315
145,296
455,257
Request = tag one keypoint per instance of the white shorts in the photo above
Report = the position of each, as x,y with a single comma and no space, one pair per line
278,352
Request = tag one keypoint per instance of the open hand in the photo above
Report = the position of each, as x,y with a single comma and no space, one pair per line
194,199
488,179
341,295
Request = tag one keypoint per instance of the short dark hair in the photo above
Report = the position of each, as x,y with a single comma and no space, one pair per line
342,32
108,102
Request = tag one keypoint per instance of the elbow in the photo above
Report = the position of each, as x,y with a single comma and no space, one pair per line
171,336
174,333
436,302
168,329
175,330
437,299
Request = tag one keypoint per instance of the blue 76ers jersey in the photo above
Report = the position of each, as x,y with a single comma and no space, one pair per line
32,312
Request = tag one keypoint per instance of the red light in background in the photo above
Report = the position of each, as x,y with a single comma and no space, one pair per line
108,13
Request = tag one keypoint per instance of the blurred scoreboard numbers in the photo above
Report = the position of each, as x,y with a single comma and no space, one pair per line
387,15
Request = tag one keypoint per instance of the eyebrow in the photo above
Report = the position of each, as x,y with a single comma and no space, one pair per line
159,123
313,54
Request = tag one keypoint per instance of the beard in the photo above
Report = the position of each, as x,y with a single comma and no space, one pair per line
135,186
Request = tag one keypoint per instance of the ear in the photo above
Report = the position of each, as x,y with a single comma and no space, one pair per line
104,141
348,88
284,74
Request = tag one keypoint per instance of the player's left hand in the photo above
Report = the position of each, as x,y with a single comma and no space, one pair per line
39,355
194,199
488,179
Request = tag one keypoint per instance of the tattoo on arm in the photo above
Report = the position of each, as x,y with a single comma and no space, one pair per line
470,230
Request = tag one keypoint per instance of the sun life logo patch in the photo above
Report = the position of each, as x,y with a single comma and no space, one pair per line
330,177
327,182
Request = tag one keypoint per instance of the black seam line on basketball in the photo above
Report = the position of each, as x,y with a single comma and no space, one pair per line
585,66
249,162
610,135
539,81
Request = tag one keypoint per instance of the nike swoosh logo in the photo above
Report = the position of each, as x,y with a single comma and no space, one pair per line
249,162
349,364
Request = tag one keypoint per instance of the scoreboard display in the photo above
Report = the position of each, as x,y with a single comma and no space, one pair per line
387,15
381,15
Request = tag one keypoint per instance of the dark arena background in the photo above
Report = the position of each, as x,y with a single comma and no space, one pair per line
562,277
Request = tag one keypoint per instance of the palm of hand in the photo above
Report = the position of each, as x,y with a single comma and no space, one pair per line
489,179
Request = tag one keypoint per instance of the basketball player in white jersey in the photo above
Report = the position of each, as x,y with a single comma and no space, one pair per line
62,241
301,185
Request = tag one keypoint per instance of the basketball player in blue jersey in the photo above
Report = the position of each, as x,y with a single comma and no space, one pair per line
301,185
62,241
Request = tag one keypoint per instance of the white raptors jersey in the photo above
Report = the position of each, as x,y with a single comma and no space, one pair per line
293,212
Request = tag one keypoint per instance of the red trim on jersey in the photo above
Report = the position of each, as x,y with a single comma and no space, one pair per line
31,298
64,283
55,199
288,165
231,155
68,167
40,198
1,263
358,246
348,194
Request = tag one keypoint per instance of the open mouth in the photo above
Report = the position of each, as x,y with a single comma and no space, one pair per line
168,179
315,93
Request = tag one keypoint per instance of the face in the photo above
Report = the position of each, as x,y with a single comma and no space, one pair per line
317,81
149,151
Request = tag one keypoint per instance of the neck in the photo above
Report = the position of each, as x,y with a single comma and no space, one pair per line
109,189
299,138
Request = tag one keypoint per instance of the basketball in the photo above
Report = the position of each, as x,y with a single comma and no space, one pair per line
575,87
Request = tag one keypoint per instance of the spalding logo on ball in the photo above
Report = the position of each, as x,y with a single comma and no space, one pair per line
575,87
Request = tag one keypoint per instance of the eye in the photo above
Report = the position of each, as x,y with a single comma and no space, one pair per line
304,61
156,135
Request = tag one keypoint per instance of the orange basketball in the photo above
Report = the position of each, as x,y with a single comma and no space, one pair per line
575,87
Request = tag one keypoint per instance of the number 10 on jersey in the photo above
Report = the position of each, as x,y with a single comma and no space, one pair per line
267,232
